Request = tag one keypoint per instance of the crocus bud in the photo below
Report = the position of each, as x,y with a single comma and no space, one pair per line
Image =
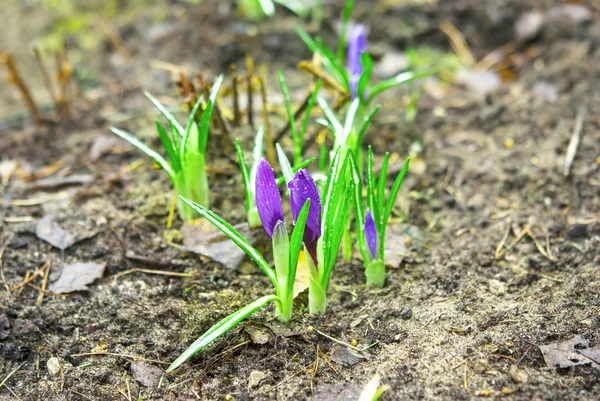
356,46
268,199
302,187
371,234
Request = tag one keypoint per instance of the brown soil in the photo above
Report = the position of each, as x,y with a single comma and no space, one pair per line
454,317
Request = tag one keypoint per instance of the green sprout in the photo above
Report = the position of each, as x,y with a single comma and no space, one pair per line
186,149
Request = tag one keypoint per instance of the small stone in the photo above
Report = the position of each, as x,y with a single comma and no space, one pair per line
518,375
256,377
406,314
577,231
53,366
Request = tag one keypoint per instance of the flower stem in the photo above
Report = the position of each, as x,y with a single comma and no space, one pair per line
285,308
375,272
254,218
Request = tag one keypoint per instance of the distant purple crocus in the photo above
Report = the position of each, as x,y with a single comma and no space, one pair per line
356,46
302,187
268,199
371,233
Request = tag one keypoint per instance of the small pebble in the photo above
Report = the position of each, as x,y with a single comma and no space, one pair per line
53,366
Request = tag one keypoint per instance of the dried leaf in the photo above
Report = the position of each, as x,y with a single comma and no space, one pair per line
260,334
302,276
345,356
76,277
102,145
148,375
573,352
47,229
479,81
200,236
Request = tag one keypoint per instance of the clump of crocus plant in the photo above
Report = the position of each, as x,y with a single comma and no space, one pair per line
286,251
186,149
372,222
354,74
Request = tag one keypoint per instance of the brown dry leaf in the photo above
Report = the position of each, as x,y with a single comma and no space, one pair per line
200,236
573,352
102,145
47,229
76,277
148,375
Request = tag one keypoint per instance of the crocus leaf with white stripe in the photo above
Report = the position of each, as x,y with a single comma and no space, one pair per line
285,251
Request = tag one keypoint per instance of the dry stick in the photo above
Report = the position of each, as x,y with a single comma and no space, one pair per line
10,374
502,242
574,142
44,284
537,243
335,340
150,271
61,100
46,74
122,356
458,43
328,81
250,73
53,294
34,275
267,123
236,96
1,268
17,80
114,38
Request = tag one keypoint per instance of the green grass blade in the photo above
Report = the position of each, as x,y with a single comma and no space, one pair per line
166,113
349,122
296,140
399,79
204,126
176,139
365,124
168,145
382,180
311,103
296,6
330,115
367,63
337,187
286,168
343,42
358,205
248,190
257,153
146,149
235,236
339,226
394,193
221,328
296,245
267,7
328,190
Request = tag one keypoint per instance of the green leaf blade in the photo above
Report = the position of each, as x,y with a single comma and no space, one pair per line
221,328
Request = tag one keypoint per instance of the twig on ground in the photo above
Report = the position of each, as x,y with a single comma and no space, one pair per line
575,140
1,266
335,340
135,358
150,271
502,242
44,284
34,275
10,374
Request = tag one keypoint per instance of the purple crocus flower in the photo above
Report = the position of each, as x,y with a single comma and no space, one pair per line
268,199
371,233
356,46
302,187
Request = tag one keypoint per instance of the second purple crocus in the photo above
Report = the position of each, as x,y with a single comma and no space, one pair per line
371,233
302,187
356,46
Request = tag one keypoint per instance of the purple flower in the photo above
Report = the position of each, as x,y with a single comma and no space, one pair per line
302,187
268,199
371,233
356,46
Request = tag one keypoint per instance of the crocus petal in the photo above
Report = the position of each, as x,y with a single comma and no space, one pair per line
302,187
268,199
371,233
356,45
